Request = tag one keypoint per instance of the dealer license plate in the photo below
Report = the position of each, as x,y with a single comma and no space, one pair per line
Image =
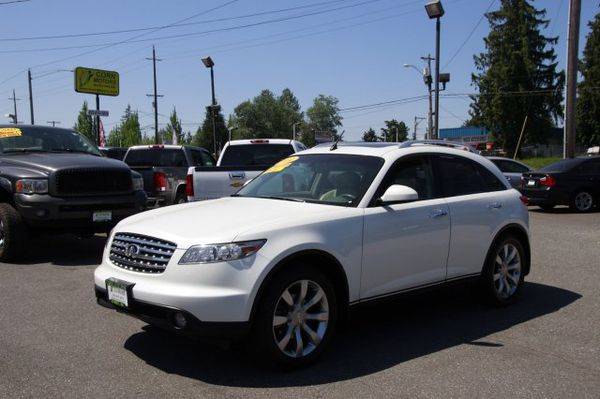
118,292
531,183
102,216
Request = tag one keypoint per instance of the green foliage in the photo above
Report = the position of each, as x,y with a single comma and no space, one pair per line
388,133
537,163
85,123
127,132
266,116
173,128
588,103
323,116
370,136
518,58
204,134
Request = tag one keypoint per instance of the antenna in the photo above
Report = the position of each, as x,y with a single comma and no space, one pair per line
335,144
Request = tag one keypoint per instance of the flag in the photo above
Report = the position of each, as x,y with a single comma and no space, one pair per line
102,138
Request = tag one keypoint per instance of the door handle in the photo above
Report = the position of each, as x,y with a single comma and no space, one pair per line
495,205
437,213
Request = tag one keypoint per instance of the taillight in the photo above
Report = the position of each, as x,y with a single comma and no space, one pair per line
160,181
189,185
524,200
548,181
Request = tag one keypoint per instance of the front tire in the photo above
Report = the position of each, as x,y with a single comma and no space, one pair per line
583,201
503,273
296,318
13,233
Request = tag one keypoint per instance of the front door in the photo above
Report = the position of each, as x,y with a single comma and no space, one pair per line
405,245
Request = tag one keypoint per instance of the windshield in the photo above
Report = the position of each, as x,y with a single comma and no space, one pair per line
319,178
255,154
561,166
41,139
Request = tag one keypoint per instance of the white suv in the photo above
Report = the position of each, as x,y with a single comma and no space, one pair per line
284,258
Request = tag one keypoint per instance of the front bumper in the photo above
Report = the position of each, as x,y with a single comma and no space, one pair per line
73,213
164,317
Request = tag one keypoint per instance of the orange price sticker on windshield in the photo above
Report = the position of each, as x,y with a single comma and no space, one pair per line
281,165
6,132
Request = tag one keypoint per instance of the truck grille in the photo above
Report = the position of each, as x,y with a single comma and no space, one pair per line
92,181
140,253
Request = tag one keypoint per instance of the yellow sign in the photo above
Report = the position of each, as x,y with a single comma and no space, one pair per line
7,132
281,165
96,81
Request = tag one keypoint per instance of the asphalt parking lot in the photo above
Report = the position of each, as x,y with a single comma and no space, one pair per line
56,342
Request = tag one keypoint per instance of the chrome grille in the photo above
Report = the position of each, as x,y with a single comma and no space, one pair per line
140,253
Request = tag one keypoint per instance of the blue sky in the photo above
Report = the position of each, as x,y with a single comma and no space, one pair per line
351,49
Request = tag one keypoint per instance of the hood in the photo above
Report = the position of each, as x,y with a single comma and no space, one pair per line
214,221
51,162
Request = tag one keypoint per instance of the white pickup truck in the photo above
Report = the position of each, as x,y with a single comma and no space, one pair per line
239,162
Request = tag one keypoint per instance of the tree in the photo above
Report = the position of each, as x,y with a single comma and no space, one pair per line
173,128
588,103
85,123
204,134
267,116
127,132
388,133
518,59
370,136
323,116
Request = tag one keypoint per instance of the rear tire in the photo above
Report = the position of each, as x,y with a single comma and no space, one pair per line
295,318
583,201
181,197
503,273
13,234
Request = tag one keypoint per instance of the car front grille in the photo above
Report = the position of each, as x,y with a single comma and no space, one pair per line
92,181
140,253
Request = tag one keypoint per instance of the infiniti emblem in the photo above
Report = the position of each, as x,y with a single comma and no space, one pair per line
132,250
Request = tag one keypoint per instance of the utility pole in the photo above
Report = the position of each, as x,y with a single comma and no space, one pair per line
14,100
30,97
428,82
53,123
572,60
155,95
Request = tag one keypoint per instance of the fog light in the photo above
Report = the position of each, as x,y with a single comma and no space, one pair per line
180,320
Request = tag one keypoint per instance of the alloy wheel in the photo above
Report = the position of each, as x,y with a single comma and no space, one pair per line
507,271
584,201
301,318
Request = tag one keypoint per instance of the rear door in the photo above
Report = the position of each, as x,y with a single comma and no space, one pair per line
476,198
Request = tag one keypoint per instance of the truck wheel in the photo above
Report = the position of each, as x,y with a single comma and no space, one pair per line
13,233
181,197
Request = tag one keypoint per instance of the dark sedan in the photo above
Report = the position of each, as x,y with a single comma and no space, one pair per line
574,182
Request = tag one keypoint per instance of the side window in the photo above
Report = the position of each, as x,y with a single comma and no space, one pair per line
197,157
415,173
207,159
510,167
461,176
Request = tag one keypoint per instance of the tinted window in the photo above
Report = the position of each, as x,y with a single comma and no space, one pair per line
161,157
40,139
197,158
561,166
506,166
461,176
415,173
207,159
255,154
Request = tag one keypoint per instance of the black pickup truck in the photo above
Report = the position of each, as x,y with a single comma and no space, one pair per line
55,180
165,168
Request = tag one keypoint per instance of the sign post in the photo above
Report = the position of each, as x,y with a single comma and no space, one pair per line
100,83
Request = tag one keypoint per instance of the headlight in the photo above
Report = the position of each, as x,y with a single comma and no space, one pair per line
31,186
210,253
138,183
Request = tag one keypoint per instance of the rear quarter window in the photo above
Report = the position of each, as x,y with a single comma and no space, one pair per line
158,157
461,176
255,154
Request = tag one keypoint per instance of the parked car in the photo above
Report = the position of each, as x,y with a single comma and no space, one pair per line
113,152
239,162
55,180
574,182
285,257
511,169
164,169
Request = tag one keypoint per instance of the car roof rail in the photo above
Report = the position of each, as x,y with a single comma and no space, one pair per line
441,143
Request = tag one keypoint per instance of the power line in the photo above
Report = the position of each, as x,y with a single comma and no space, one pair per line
469,35
114,32
3,3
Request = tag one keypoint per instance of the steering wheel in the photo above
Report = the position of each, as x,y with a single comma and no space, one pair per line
349,197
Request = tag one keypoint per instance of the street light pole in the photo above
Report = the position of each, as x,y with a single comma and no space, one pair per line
209,63
429,92
435,10
15,99
30,96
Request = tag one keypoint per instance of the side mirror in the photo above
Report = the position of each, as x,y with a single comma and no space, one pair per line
398,193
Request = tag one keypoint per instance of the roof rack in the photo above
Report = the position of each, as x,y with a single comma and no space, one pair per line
441,143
